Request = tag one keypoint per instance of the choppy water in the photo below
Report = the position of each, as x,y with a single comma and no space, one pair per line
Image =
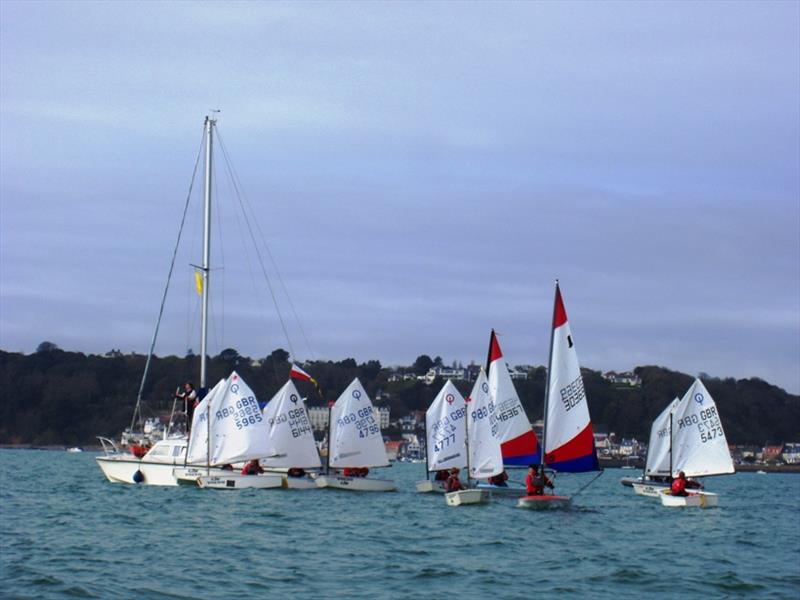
67,533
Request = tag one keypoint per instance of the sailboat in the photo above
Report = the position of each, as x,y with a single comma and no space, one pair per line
354,442
568,438
236,432
698,446
656,474
484,456
445,436
519,445
157,466
290,439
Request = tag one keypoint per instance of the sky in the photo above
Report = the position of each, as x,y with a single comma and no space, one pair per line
421,173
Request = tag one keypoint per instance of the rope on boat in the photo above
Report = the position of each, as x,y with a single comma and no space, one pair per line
591,481
246,208
166,286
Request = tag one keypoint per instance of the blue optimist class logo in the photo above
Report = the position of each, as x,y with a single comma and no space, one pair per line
485,387
293,398
235,388
699,399
357,394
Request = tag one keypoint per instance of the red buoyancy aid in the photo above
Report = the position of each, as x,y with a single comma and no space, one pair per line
678,487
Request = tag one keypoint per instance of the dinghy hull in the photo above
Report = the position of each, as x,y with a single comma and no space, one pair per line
544,502
650,489
499,490
298,483
234,481
465,497
693,500
356,484
426,486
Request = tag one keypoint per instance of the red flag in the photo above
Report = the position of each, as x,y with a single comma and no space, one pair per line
298,373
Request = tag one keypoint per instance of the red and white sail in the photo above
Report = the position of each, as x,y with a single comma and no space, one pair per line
519,444
569,439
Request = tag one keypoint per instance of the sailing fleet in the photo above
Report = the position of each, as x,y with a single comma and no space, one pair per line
235,444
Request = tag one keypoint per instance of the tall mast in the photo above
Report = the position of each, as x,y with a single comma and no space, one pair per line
547,385
466,433
205,269
670,446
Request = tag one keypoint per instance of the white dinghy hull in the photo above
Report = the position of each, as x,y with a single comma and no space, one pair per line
356,484
694,499
426,485
189,475
652,489
235,481
464,497
298,483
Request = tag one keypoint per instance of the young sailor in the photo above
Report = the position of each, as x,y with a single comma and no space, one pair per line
453,483
536,482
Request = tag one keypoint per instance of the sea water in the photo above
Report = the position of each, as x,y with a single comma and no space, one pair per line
65,532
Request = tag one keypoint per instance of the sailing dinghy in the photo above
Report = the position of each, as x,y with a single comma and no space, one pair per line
519,445
290,438
484,456
236,432
656,474
568,436
355,442
699,447
445,436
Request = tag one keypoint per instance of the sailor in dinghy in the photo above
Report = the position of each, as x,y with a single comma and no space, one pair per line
568,437
445,435
354,442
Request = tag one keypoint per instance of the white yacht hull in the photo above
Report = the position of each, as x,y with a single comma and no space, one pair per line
694,499
464,497
356,484
426,485
122,469
234,481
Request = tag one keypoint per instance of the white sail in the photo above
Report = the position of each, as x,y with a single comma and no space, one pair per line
356,439
485,457
238,429
446,430
658,448
197,453
290,437
699,446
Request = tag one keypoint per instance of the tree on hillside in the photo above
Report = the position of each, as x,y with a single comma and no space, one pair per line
423,364
47,347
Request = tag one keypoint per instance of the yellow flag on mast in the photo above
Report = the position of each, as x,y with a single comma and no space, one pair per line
198,283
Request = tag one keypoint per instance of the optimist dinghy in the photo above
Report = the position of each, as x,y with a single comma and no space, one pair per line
445,436
482,441
355,442
698,448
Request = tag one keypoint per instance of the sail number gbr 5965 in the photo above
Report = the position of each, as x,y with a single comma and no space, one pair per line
245,412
